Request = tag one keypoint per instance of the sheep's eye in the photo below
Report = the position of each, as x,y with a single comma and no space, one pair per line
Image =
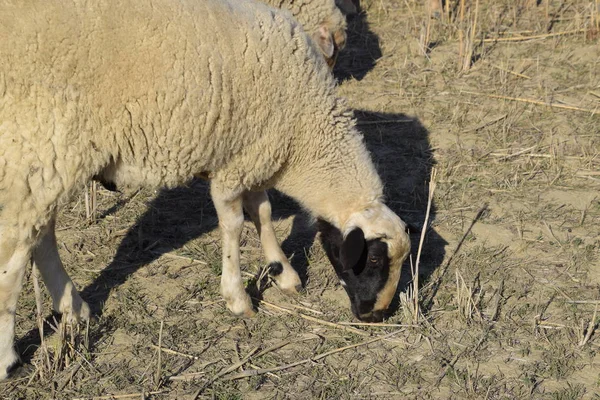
373,260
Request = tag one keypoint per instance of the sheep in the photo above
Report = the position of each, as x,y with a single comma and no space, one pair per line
323,20
116,90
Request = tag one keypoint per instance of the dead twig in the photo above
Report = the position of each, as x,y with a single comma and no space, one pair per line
508,70
549,228
518,153
446,264
193,375
177,256
590,329
225,371
313,319
176,353
283,344
485,124
378,325
306,309
122,396
532,101
532,155
421,241
159,362
69,378
582,301
525,38
262,371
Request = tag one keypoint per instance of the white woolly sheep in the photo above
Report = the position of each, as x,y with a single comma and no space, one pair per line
119,91
322,20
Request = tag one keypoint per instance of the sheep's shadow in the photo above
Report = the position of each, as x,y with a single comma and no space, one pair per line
401,151
404,158
362,49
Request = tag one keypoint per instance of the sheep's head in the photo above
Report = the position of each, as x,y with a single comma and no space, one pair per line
331,37
368,258
347,6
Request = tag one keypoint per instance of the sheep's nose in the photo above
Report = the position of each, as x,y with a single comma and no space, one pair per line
374,316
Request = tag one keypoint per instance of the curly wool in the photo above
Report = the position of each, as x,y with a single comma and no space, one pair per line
313,14
146,94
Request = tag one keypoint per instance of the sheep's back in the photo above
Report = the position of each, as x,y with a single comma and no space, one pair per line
169,88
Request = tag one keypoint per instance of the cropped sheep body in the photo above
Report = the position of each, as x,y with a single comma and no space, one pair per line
192,97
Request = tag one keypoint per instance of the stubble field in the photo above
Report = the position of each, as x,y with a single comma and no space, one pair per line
496,104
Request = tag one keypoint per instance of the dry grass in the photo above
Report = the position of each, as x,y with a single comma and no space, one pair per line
506,294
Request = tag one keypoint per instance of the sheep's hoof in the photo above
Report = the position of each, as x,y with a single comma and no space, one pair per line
249,313
286,278
74,309
293,291
241,307
8,364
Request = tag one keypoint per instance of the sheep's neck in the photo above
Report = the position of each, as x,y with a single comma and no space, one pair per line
332,175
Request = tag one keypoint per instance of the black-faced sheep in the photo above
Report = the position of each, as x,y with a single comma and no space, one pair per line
155,92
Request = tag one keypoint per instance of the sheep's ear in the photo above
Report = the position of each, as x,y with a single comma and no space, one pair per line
324,40
352,249
347,6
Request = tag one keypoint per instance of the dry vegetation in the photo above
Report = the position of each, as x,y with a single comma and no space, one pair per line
502,98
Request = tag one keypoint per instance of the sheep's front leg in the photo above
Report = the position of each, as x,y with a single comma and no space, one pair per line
259,208
14,256
65,298
231,222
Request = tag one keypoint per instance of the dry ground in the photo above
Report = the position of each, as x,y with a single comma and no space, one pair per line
507,307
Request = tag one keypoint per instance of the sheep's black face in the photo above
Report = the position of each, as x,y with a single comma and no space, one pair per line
362,265
108,185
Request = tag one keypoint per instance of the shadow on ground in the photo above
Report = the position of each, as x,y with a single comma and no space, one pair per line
361,52
404,158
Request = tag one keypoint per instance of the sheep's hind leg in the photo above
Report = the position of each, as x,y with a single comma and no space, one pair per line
231,222
65,298
259,208
14,255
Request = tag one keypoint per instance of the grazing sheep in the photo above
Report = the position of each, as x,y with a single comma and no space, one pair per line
120,91
322,20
